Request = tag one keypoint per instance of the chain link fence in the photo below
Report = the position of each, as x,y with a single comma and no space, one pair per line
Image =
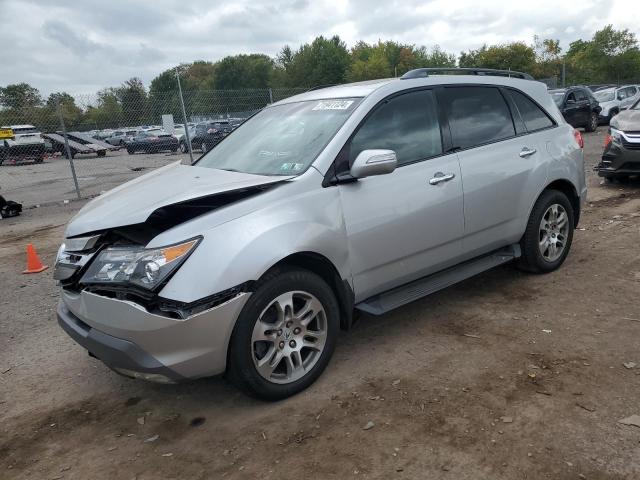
78,147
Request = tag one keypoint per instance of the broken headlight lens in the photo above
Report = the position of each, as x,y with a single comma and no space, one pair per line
139,266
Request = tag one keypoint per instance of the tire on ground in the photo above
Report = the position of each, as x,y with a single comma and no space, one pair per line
532,259
592,124
241,370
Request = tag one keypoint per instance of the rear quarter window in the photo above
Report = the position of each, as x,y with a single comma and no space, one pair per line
533,116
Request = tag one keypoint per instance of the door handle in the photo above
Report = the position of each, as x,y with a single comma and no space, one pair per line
527,152
440,177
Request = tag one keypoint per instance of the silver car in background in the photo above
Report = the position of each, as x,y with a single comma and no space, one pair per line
360,197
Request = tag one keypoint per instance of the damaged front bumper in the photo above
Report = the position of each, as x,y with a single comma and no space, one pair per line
137,343
619,160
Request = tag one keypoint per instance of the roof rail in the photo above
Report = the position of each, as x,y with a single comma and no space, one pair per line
424,72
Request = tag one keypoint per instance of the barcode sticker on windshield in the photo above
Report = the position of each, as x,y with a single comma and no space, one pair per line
333,105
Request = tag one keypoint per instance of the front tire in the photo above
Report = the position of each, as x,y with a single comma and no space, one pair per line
183,147
549,233
284,336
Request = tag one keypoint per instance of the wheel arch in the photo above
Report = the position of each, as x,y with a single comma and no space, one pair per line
566,187
325,269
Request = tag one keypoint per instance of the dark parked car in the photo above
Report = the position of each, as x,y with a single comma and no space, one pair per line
621,157
208,134
152,142
578,106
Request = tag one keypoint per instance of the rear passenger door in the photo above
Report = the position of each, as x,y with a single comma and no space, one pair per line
502,163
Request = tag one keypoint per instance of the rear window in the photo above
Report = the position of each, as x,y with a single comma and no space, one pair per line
477,115
533,116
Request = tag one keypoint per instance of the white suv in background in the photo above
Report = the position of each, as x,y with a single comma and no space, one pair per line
615,99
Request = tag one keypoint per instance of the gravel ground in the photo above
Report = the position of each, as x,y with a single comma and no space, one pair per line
51,181
505,376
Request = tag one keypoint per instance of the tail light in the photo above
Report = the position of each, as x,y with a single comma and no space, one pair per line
212,130
578,136
607,140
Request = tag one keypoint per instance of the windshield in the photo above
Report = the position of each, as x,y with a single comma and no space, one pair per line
558,97
605,95
281,140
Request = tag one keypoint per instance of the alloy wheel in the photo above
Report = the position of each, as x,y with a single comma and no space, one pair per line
289,337
553,233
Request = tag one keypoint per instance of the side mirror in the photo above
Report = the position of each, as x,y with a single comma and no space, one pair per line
374,162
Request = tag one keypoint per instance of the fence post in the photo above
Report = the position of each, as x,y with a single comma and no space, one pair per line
68,150
270,95
184,117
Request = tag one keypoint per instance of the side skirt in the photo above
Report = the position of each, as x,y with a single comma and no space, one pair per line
404,294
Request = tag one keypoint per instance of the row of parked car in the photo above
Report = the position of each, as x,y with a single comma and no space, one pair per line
203,136
588,107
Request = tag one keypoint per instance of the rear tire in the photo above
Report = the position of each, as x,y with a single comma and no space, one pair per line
183,147
592,125
102,153
273,353
130,151
547,238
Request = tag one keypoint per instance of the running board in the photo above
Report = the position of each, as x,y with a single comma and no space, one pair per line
399,296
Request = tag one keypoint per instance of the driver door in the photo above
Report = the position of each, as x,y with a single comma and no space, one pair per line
403,225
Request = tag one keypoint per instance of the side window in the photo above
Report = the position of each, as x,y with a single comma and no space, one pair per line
407,124
571,97
477,115
622,94
533,116
630,91
581,96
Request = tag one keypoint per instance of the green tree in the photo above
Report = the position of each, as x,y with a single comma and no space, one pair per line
243,71
19,96
71,113
325,61
107,112
132,97
510,56
610,56
548,58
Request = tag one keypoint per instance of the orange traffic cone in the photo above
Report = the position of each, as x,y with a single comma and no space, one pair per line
34,265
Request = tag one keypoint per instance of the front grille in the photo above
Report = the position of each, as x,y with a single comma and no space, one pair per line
629,145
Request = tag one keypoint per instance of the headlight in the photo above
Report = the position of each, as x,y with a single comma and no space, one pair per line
143,267
616,135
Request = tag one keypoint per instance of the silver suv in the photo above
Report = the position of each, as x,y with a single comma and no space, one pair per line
359,197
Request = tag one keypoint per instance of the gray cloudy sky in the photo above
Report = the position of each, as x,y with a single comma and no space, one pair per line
82,46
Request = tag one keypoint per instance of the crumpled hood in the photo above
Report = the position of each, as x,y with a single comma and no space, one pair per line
627,121
135,200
